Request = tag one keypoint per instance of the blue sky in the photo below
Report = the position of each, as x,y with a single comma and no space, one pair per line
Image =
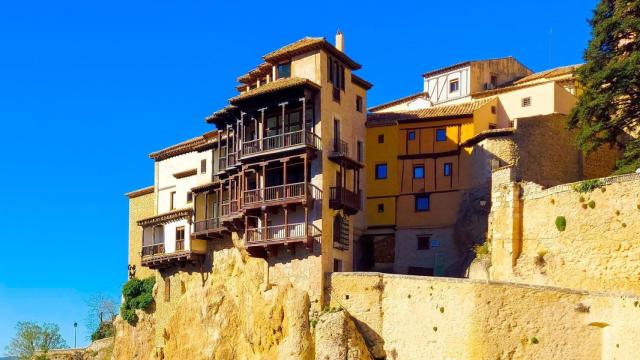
89,88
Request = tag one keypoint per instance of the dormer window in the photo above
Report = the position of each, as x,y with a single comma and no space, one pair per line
454,85
284,70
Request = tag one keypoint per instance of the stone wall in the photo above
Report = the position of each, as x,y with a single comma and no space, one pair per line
411,317
599,249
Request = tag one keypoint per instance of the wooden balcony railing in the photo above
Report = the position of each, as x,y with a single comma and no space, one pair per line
227,161
278,193
203,226
342,198
339,148
230,207
151,250
280,142
280,233
179,245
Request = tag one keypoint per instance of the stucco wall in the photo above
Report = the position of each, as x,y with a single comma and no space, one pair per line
598,250
410,317
140,207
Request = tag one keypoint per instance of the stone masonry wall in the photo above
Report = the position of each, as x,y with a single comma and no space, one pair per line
411,317
599,249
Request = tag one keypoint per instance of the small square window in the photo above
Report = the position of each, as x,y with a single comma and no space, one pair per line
284,70
381,171
359,103
454,85
381,139
189,197
203,166
418,172
526,101
493,109
424,242
172,200
380,208
422,203
448,168
411,135
441,134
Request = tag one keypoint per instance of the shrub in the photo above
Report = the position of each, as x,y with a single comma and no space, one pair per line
441,310
138,294
581,199
592,204
588,186
482,249
534,340
561,223
105,330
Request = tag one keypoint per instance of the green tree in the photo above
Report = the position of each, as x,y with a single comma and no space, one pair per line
609,109
31,338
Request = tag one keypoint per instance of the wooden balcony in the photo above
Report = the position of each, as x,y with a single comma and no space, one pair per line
302,192
210,227
280,143
154,256
341,198
227,162
339,153
281,234
230,209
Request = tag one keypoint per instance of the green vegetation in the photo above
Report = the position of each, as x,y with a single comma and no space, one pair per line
588,186
561,223
137,295
609,105
441,310
31,338
435,328
534,340
104,330
482,249
592,204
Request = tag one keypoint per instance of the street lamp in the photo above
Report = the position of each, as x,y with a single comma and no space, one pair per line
75,330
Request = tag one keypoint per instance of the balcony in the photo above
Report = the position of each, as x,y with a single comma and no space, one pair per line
280,195
281,234
227,162
339,153
347,200
208,227
230,209
154,256
280,142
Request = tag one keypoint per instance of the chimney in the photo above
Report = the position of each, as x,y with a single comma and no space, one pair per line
339,41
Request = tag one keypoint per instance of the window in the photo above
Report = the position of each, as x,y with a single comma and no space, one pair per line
418,172
284,70
380,208
493,126
493,109
189,197
423,242
360,153
172,200
381,171
441,134
381,139
337,265
180,238
167,289
203,166
454,85
336,73
448,168
359,103
411,135
422,202
526,101
494,81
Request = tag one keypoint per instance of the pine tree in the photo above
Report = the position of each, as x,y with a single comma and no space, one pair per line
608,112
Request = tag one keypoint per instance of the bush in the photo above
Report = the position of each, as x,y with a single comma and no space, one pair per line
592,204
482,249
588,186
105,330
138,294
561,223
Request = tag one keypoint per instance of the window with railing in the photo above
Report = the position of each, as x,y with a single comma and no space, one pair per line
341,232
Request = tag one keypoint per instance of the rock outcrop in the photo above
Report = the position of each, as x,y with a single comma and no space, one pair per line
337,338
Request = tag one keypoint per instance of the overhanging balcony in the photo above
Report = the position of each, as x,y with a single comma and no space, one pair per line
302,192
279,143
209,227
230,209
155,257
281,234
341,198
339,153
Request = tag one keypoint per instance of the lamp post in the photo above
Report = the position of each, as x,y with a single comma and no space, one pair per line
75,330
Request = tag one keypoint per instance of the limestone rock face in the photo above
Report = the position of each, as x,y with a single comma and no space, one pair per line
135,342
337,338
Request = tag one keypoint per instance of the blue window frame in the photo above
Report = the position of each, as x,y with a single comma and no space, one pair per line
441,134
411,135
381,171
418,172
422,203
448,168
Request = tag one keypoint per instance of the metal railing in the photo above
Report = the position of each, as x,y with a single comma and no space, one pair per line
151,250
281,141
340,197
208,224
339,148
282,232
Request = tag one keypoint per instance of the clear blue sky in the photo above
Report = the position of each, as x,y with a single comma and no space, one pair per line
89,88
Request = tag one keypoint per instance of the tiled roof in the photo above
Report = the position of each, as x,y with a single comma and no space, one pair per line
308,44
398,101
361,82
487,134
259,71
167,217
140,192
549,74
183,147
225,111
280,84
459,65
430,113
